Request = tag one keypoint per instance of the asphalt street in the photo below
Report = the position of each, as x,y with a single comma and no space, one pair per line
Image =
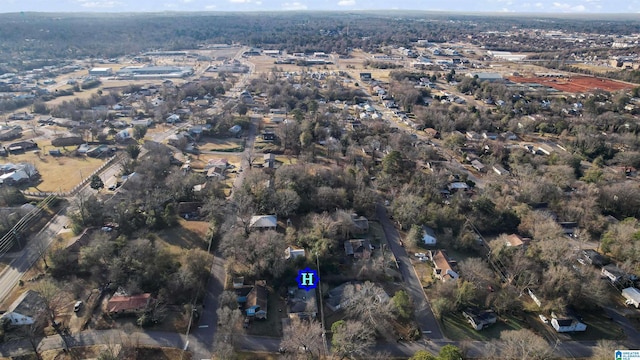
423,313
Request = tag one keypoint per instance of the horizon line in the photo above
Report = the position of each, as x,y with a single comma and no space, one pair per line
351,11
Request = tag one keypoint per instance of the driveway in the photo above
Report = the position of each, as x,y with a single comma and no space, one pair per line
423,313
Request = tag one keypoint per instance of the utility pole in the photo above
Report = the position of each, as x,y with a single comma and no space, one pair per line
324,331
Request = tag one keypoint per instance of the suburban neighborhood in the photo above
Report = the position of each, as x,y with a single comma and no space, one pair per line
441,186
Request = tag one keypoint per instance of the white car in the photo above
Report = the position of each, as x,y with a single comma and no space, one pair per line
420,255
77,306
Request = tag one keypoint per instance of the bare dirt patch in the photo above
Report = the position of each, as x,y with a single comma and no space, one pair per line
575,84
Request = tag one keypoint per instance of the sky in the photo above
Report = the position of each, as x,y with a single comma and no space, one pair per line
518,6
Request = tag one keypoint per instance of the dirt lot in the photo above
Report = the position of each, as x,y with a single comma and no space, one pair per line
575,84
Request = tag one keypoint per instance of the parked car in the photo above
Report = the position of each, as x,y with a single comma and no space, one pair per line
77,306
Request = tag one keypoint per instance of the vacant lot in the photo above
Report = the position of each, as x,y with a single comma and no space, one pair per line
226,144
575,83
456,328
187,235
58,173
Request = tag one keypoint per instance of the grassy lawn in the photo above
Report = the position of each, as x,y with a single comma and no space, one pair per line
57,173
456,328
227,144
187,235
598,327
272,327
245,355
376,234
198,162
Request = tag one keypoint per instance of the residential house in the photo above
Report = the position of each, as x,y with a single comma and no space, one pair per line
24,309
263,222
127,305
256,305
455,186
173,118
592,257
567,323
269,161
478,165
8,133
544,149
268,135
238,282
301,303
500,170
632,296
218,163
472,135
215,173
432,133
189,210
360,223
365,76
293,252
358,248
428,236
616,275
235,129
442,266
489,135
479,319
515,240
123,135
509,136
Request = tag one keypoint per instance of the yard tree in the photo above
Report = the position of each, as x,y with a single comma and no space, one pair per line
408,209
351,339
139,131
414,236
450,352
53,297
96,182
423,355
133,151
286,202
477,271
604,349
302,339
402,304
369,304
523,344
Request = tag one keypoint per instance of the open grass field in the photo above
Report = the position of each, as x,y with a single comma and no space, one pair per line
226,144
57,173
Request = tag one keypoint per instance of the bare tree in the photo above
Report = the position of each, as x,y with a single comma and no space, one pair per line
477,272
351,339
370,304
34,332
604,349
302,339
53,296
524,344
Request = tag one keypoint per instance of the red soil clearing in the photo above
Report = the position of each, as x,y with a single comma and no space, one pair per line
574,84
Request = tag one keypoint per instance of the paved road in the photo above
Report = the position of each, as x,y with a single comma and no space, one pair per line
24,259
424,316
